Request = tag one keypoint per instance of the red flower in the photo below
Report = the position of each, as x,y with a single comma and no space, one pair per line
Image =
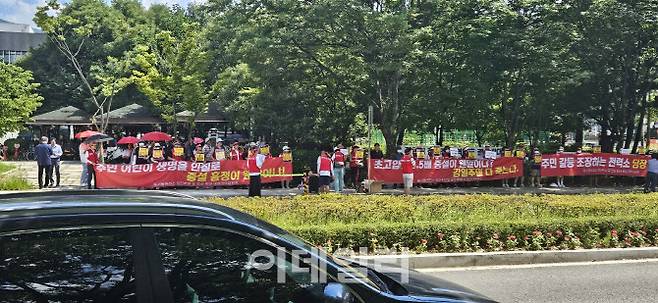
549,235
511,237
567,238
527,237
536,233
496,236
423,241
558,233
613,233
440,236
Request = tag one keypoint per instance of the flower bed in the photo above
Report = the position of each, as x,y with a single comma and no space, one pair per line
463,223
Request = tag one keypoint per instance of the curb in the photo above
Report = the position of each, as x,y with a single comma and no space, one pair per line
448,260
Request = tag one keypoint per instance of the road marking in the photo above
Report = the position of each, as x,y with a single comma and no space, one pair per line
524,266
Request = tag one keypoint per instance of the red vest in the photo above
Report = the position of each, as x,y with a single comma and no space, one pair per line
339,158
407,166
251,166
235,154
92,157
325,164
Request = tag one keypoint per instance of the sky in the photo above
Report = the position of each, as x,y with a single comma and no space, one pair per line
22,11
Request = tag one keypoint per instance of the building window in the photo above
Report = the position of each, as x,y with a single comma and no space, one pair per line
10,56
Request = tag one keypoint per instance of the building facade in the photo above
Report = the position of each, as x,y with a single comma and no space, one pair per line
17,39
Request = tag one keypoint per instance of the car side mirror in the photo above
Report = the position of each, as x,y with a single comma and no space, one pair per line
337,293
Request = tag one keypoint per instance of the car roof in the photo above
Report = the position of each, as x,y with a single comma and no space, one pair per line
81,202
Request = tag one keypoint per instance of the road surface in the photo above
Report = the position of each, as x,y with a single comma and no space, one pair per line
600,282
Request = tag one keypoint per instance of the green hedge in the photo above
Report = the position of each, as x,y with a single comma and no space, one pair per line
462,223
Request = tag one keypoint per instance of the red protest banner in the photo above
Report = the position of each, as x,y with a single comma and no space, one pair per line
448,170
593,164
188,174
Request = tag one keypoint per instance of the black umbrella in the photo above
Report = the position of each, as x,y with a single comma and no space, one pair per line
99,138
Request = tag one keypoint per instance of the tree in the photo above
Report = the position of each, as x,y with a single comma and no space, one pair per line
18,98
172,72
74,30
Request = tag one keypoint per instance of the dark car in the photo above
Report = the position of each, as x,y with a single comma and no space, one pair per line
125,246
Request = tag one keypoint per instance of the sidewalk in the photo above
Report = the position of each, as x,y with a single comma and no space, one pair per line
461,260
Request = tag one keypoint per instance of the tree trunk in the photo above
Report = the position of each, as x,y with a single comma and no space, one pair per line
390,136
400,137
640,123
388,94
440,143
579,134
479,135
512,122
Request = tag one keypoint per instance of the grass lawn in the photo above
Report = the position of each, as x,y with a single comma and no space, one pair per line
4,167
10,181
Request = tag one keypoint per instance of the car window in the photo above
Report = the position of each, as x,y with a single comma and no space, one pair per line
214,266
93,265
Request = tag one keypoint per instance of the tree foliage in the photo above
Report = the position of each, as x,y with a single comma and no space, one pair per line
305,72
18,97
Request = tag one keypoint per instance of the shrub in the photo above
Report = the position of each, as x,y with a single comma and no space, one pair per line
463,223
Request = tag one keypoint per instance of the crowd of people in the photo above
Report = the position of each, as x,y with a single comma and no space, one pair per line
335,169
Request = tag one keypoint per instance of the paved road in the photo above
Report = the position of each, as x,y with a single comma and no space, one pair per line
624,281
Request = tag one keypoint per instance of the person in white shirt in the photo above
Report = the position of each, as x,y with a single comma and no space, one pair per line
55,159
652,174
82,149
255,162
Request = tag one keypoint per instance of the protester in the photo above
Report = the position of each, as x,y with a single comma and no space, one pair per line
82,148
420,153
178,151
338,159
506,153
42,152
356,162
376,152
535,172
17,150
127,154
208,150
286,156
92,160
324,169
55,162
560,179
157,153
199,155
219,153
236,153
311,182
520,153
254,164
189,146
141,153
408,163
652,174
